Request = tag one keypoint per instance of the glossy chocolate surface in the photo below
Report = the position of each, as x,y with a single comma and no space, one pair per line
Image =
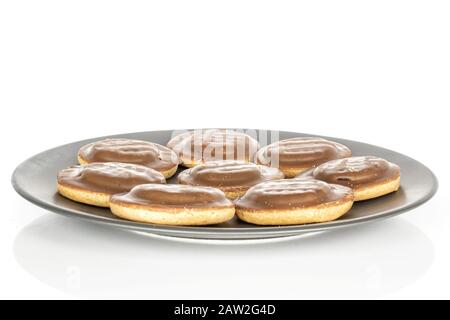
214,144
291,194
228,174
302,152
174,195
108,177
140,152
355,172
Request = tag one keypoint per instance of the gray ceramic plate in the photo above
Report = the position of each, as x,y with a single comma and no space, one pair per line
35,180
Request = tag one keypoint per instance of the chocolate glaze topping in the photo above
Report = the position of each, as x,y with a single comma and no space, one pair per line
145,153
302,152
228,174
108,177
214,144
355,172
291,194
174,195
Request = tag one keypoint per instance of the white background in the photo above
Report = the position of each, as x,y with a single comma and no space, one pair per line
373,71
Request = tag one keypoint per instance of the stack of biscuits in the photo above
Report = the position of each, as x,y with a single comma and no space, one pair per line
227,173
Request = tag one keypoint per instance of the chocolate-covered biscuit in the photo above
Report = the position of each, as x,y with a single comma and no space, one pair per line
173,205
95,183
199,146
231,176
368,176
296,155
294,201
144,153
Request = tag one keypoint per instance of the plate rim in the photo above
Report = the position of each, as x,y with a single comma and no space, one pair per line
205,230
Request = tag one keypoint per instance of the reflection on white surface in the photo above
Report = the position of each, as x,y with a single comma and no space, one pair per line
91,260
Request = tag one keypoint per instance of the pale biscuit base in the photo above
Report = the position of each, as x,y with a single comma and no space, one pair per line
321,213
81,161
293,172
234,194
88,197
376,190
167,174
171,216
189,163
